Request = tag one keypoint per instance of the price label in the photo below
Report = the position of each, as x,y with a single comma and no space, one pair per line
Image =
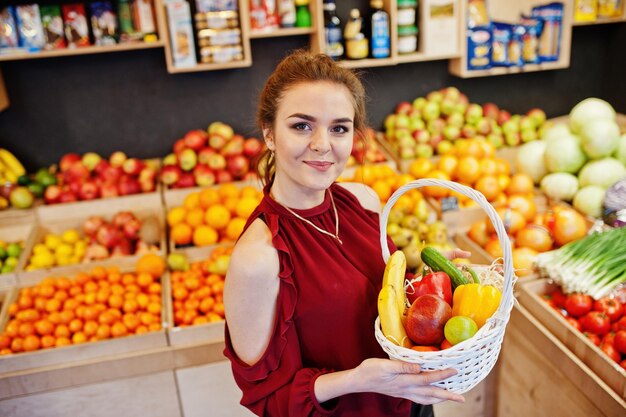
449,204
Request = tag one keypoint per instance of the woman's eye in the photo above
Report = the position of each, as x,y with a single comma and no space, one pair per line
301,126
340,129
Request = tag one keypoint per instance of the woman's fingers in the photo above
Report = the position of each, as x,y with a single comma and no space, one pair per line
457,253
433,395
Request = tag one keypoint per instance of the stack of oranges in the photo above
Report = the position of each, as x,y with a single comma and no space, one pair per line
197,292
104,303
212,215
382,178
471,162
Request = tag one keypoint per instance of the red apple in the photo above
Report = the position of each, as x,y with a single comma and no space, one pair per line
404,107
101,166
109,190
52,194
89,190
117,158
67,196
131,229
204,175
170,174
195,139
426,319
233,147
108,236
68,160
253,146
216,162
74,187
92,225
491,110
111,174
147,186
128,186
179,146
503,116
222,176
147,173
204,154
238,166
186,180
90,160
221,129
188,159
250,176
96,252
121,218
216,141
133,166
75,172
123,248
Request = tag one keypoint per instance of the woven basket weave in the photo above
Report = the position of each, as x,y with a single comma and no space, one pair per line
473,358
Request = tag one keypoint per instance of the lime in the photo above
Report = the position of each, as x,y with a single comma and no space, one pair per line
6,269
459,328
36,188
3,253
45,178
177,262
11,261
14,249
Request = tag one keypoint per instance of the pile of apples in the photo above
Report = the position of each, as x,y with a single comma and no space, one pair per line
90,176
431,124
90,306
197,287
366,150
203,158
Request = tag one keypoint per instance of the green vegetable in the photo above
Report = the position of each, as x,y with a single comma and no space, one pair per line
599,138
602,172
588,200
620,152
529,159
594,265
437,262
588,110
560,186
564,154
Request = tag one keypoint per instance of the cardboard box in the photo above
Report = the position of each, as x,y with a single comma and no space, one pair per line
181,34
439,27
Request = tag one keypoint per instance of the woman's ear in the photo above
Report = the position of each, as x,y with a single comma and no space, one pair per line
269,138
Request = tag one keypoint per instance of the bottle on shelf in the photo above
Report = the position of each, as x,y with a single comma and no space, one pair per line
287,11
332,31
356,42
303,14
377,28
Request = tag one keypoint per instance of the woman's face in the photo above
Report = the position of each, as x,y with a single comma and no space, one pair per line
312,135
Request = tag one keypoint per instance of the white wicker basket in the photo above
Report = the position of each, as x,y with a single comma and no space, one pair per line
473,358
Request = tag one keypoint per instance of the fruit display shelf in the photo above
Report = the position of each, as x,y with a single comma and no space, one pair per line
16,232
530,297
12,214
77,353
58,218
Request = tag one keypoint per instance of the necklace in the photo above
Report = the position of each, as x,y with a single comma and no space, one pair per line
319,229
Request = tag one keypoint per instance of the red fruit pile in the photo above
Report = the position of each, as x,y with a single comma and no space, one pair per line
603,321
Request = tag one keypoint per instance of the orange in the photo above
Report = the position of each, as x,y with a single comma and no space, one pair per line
79,337
228,190
62,341
207,304
106,318
75,325
181,234
24,301
504,167
47,341
117,289
421,167
144,280
468,170
250,191
204,236
66,316
176,216
44,327
180,293
131,321
448,163
31,343
208,197
17,345
12,328
142,300
214,317
524,204
200,320
192,201
154,288
382,189
153,327
146,318
488,186
130,306
520,184
523,260
154,308
488,148
245,206
13,309
61,331
46,291
63,283
61,295
5,341
141,329
191,304
52,305
235,228
118,329
26,329
218,308
435,191
503,181
103,332
128,278
152,264
116,301
195,217
91,313
488,166
493,248
217,216
90,328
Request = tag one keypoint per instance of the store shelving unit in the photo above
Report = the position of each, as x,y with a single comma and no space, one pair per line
256,34
131,46
509,12
603,20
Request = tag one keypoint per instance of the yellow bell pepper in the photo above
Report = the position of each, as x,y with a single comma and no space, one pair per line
476,301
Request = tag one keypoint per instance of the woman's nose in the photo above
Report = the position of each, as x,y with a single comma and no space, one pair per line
320,141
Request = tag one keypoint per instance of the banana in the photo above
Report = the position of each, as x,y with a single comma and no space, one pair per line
12,163
10,177
395,272
390,319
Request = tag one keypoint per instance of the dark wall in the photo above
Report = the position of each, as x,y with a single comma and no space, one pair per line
127,100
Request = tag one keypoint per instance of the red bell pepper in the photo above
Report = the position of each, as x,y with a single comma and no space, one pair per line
436,283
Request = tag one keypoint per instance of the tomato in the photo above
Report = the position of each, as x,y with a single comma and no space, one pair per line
578,304
610,306
574,323
595,339
459,328
609,339
445,344
611,352
619,324
623,364
559,298
596,322
620,341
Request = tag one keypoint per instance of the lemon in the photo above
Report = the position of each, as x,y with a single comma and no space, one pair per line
75,259
42,260
80,248
64,260
52,241
40,248
64,250
70,236
30,267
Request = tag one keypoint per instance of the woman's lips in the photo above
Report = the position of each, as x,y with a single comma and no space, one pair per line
322,166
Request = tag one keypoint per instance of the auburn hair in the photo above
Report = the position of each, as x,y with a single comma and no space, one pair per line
303,66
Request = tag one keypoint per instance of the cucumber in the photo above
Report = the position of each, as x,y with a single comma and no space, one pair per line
437,262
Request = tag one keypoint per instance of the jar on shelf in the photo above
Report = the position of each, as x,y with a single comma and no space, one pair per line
407,39
407,12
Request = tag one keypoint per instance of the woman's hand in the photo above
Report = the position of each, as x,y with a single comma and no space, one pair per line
403,380
457,253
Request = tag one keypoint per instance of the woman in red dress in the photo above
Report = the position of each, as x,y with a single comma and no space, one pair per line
303,281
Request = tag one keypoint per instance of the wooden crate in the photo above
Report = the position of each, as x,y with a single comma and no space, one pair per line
539,375
610,372
83,352
12,215
13,232
58,218
200,333
176,197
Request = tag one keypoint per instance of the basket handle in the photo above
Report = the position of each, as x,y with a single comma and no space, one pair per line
480,199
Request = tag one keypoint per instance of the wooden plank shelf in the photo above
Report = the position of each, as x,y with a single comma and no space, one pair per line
275,33
601,21
131,46
421,57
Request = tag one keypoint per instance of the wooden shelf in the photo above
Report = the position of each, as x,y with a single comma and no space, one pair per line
601,21
368,62
256,34
421,57
509,12
212,67
83,51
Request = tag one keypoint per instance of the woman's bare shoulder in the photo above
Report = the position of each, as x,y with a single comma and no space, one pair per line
365,194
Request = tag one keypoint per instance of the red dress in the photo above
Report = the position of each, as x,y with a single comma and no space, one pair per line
326,307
